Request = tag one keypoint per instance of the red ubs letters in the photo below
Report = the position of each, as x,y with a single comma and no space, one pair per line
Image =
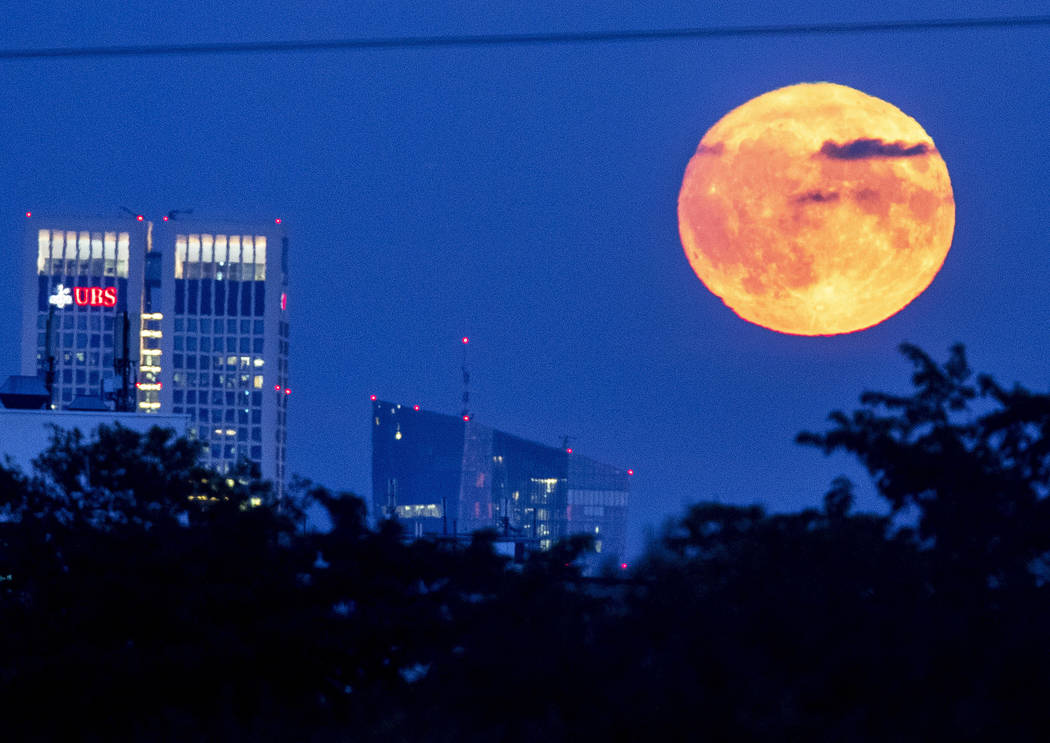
94,296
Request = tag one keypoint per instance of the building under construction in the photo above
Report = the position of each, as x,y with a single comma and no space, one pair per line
443,475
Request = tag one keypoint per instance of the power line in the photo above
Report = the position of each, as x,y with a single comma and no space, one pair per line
431,42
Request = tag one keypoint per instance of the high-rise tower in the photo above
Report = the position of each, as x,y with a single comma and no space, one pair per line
207,309
450,475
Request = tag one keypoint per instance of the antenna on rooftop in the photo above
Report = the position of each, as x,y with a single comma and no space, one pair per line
123,364
466,381
49,351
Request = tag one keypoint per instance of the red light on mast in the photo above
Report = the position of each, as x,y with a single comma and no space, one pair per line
372,398
277,388
287,391
623,566
29,214
569,451
165,217
630,472
415,407
466,417
139,217
466,339
277,220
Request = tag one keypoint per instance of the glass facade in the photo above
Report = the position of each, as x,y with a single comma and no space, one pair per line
596,503
81,291
207,331
227,363
417,463
439,474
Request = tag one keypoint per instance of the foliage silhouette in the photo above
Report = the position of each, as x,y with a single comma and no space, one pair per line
978,480
144,597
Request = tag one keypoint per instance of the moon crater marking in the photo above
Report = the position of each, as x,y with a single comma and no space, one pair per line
816,209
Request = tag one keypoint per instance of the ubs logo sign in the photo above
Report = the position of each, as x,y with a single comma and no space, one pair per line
84,296
61,298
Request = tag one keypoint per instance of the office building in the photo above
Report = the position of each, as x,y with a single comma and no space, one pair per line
27,423
193,313
448,475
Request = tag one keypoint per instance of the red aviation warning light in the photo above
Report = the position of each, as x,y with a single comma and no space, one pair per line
569,451
29,214
277,220
415,407
630,472
372,398
466,339
139,217
466,417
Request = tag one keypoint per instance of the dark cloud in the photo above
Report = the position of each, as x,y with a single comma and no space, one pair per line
712,149
816,196
859,149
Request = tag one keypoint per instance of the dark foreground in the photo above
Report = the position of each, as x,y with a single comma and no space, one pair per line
143,598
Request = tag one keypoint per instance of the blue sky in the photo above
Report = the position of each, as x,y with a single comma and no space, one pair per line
525,196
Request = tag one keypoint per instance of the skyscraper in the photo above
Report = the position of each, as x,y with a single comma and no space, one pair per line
442,474
207,315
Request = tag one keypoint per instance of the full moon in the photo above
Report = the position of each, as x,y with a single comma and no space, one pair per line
816,209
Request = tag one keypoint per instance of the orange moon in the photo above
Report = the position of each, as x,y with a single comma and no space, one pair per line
816,209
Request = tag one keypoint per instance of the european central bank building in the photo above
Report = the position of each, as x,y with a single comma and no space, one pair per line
445,475
167,316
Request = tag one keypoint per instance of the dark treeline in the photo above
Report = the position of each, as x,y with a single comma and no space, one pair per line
143,597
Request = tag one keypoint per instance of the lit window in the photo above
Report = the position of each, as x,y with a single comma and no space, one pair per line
123,239
43,252
220,249
428,510
180,254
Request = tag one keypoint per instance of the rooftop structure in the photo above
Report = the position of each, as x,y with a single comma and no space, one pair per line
449,475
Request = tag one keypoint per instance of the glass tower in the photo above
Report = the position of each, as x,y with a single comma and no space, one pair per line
443,475
202,308
82,276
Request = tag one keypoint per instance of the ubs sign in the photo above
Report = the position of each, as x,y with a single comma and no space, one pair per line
84,296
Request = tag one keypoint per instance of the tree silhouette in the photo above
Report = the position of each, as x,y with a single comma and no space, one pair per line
978,478
145,597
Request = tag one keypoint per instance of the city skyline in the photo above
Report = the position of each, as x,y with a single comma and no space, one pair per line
525,196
